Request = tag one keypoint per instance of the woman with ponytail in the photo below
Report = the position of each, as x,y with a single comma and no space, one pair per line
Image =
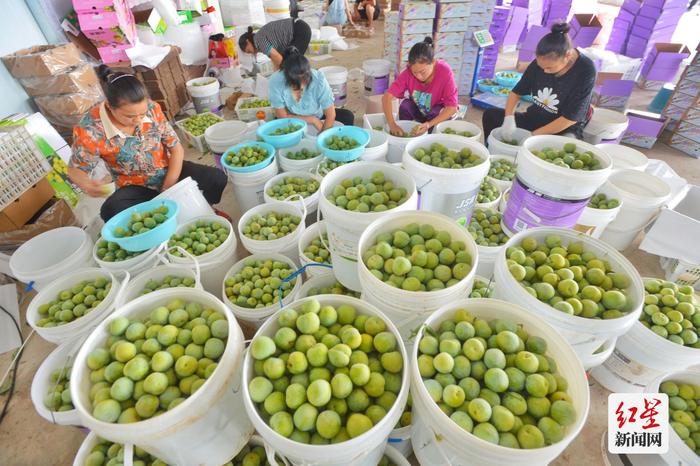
560,81
130,134
298,91
275,37
430,90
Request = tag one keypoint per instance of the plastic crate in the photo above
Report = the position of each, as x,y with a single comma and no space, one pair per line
198,142
319,47
23,164
250,114
681,272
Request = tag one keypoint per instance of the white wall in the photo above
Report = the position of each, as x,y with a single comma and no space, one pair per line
18,30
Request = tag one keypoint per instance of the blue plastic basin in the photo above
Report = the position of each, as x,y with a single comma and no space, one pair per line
252,168
360,135
149,239
286,140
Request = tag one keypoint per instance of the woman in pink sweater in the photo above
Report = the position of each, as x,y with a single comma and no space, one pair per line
429,88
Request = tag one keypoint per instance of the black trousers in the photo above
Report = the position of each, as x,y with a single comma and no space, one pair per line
302,36
211,181
344,116
492,118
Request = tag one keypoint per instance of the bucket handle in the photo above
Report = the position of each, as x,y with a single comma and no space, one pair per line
119,300
272,455
128,454
303,204
64,368
197,271
320,237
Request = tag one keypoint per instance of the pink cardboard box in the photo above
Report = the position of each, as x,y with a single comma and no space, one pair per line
114,53
418,26
92,6
451,24
417,10
449,38
451,51
109,28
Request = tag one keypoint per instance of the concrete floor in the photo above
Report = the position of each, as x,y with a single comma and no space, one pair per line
27,439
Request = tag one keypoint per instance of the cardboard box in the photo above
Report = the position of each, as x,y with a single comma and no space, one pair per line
417,10
693,116
109,28
91,6
663,62
443,39
78,79
417,26
22,209
451,24
68,109
585,29
43,60
114,53
685,145
454,10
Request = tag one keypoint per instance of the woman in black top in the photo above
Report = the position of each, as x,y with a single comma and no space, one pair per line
560,81
275,37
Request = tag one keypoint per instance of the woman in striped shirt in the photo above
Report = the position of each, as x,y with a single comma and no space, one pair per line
275,37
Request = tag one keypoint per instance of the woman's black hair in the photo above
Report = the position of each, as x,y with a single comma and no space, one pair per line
120,88
556,43
422,52
296,68
247,36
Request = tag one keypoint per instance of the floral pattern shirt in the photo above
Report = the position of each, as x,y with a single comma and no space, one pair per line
141,159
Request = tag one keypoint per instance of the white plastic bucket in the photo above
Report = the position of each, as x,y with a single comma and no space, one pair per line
60,358
258,316
437,440
87,322
447,190
364,450
209,427
39,261
312,133
460,125
289,165
158,273
317,229
396,456
337,77
502,184
624,157
643,195
276,9
397,145
639,357
134,265
493,205
189,198
310,203
286,245
593,221
377,148
487,260
205,94
498,147
377,72
407,309
221,136
585,335
317,281
212,265
678,452
605,124
400,442
345,227
248,188
546,195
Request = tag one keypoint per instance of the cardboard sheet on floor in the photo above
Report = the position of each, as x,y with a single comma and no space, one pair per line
9,339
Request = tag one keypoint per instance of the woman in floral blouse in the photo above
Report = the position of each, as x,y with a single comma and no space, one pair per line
130,133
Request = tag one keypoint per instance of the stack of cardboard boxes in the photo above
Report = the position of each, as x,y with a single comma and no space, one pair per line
535,13
63,86
555,11
498,26
110,26
683,109
642,23
405,28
